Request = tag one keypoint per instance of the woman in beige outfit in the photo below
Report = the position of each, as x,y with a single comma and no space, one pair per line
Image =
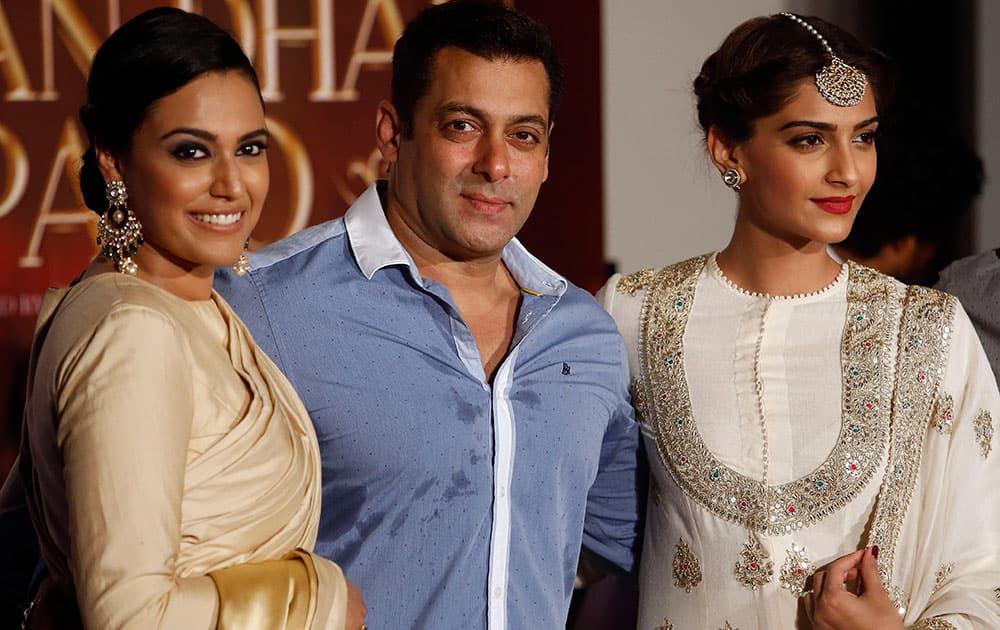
171,472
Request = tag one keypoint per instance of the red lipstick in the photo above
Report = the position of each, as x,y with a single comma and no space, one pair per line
835,205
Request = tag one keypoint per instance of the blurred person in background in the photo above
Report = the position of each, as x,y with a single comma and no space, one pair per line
928,178
975,281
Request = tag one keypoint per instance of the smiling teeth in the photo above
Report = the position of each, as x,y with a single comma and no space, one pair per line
219,219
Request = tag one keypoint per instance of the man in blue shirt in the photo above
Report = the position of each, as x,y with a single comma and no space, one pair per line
471,405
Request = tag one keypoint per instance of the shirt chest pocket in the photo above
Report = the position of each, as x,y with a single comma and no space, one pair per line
562,424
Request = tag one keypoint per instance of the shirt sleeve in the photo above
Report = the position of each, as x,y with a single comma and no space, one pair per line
125,404
615,500
955,546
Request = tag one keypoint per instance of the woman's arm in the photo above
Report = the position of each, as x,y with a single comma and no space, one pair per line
125,405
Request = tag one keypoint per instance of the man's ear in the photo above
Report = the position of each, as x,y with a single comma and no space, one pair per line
388,131
725,154
111,169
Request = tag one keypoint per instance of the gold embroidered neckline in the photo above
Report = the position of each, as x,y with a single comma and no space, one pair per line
866,349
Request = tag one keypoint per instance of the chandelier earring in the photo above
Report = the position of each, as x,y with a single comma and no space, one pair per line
242,264
732,178
119,233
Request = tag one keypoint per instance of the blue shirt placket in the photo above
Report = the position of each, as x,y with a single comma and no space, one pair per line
534,307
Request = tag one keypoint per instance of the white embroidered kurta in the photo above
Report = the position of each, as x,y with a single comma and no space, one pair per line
784,433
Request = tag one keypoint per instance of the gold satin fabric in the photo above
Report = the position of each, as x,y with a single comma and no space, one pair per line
249,598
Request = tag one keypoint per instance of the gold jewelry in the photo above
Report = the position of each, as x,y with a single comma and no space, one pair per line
837,82
242,264
119,232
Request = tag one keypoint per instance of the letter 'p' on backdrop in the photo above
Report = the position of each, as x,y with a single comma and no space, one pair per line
324,65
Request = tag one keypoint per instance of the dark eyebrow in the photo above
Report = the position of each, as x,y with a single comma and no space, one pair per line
532,119
809,123
826,126
460,108
865,123
211,137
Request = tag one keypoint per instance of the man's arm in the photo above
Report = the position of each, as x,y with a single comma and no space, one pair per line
617,498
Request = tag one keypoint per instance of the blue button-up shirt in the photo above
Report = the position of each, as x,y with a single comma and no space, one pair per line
452,502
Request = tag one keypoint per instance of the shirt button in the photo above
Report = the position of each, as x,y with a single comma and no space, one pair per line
497,592
503,491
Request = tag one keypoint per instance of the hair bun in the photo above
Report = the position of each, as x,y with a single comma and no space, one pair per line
92,183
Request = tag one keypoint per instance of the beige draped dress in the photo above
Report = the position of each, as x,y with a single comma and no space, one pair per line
172,473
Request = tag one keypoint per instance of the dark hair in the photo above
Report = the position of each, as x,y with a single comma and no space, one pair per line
151,56
484,28
754,72
925,186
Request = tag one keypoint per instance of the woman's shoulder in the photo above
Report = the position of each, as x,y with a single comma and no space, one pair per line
119,295
625,296
115,308
633,287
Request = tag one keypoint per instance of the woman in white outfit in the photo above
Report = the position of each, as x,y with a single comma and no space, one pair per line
820,435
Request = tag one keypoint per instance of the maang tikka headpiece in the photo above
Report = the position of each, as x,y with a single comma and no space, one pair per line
837,82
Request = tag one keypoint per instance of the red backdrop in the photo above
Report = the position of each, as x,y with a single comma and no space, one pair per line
324,65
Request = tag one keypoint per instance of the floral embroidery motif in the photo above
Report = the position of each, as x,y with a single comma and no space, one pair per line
795,571
942,575
925,333
868,338
687,567
934,623
983,426
944,421
666,625
755,567
899,598
728,627
635,282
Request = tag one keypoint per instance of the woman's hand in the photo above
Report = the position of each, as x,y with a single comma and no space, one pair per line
831,606
356,609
